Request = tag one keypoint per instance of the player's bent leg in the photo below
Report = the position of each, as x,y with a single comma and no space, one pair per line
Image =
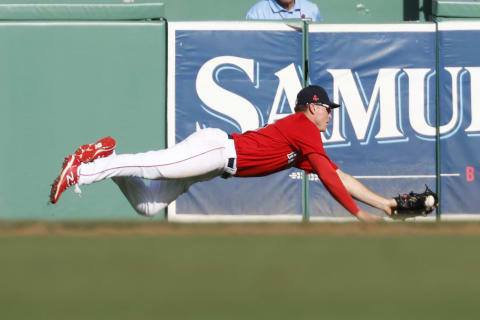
202,156
150,199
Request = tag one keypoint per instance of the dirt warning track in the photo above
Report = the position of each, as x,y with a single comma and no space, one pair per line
175,229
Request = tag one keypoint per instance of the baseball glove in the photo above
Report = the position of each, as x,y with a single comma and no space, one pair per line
415,204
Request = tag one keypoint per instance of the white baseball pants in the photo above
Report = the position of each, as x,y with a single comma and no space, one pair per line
202,156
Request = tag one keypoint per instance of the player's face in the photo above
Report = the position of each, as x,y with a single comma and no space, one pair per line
321,116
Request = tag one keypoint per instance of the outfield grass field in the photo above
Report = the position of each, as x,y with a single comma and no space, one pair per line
256,271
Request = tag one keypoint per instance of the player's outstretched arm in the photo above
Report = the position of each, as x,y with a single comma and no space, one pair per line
365,216
334,185
360,192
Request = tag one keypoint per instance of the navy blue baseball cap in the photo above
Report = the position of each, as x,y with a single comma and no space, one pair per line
314,94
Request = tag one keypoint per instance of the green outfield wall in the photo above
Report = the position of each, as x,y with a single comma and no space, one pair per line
333,11
66,83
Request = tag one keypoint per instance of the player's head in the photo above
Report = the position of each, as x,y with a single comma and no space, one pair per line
313,101
313,94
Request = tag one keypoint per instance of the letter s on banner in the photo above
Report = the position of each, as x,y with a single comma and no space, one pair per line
222,100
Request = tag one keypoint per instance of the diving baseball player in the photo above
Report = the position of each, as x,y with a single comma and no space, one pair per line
293,141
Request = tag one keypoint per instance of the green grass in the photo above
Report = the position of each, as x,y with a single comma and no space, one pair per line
239,277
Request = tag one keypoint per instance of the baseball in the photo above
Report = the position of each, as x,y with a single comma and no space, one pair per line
429,201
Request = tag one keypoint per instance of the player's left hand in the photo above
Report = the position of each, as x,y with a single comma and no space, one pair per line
414,204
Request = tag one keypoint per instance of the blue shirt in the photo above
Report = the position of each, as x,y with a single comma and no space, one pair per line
271,10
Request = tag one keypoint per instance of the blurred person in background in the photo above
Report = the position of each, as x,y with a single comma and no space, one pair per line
284,9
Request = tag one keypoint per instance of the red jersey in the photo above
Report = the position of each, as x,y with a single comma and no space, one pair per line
278,146
285,144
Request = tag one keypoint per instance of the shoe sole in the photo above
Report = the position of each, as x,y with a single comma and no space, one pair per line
55,186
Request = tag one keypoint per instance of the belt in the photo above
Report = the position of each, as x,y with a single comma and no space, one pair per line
230,165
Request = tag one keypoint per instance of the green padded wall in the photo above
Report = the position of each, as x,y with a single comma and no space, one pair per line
63,84
333,11
81,12
456,8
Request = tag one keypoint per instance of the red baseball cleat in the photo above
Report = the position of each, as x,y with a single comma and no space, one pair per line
102,148
67,178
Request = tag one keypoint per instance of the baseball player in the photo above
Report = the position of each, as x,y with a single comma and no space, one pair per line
293,141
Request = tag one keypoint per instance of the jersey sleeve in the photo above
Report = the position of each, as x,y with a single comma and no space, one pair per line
332,182
256,12
304,164
317,16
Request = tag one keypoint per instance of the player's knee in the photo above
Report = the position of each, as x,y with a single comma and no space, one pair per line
149,209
